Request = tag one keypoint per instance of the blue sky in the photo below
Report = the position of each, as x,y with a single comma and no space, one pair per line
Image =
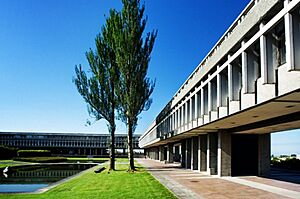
42,41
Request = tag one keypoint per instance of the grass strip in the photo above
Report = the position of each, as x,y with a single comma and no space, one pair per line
11,163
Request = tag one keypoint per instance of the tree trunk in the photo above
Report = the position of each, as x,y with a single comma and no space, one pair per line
112,148
130,149
112,129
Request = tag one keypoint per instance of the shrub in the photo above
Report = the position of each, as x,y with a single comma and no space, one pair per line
41,159
34,153
288,163
7,152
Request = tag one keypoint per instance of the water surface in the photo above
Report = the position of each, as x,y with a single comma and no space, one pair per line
30,178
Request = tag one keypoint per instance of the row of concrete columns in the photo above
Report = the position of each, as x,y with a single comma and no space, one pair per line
218,153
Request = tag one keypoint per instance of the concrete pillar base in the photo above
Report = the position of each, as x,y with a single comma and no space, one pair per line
224,153
170,153
264,151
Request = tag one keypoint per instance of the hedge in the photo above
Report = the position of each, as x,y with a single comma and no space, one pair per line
7,152
34,153
289,163
41,159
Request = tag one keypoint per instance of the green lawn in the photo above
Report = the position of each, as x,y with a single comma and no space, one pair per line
84,159
116,184
75,159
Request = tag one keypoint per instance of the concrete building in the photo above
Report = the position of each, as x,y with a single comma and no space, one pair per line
248,86
66,143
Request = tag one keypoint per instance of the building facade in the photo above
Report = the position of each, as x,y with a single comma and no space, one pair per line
248,86
66,143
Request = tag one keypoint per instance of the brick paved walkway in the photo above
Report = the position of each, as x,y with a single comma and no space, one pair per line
189,184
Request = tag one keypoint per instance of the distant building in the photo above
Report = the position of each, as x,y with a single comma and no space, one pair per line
66,143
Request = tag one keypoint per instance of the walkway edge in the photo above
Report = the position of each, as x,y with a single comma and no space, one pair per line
269,188
176,188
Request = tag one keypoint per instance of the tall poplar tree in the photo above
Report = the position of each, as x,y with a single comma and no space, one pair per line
98,89
132,57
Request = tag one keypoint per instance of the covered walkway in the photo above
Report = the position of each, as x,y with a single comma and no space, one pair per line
185,183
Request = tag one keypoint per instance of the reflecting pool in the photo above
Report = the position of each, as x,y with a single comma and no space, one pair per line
30,178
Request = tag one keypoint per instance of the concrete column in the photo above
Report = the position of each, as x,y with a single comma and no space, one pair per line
263,56
230,82
155,153
173,120
196,108
219,94
209,96
170,153
188,153
161,153
202,100
186,113
244,71
195,147
192,156
176,119
207,156
212,144
179,116
182,115
288,23
169,123
264,158
224,153
202,147
191,110
176,153
183,153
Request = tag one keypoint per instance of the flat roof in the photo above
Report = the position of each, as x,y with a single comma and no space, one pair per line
64,134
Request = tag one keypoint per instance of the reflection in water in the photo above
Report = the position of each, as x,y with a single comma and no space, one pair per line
33,177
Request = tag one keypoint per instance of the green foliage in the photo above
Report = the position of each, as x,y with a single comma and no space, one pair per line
288,163
7,152
118,70
98,89
132,57
33,153
41,159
